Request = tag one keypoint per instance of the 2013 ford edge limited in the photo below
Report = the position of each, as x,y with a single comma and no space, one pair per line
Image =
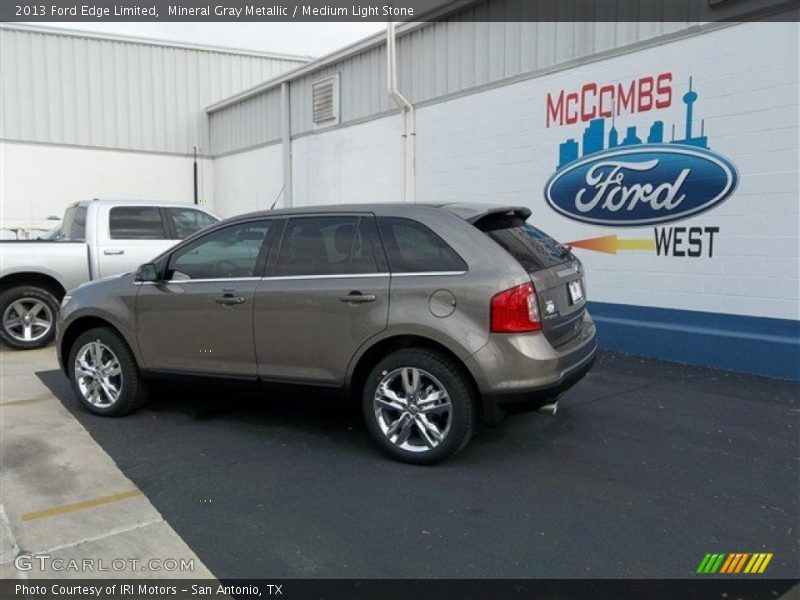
435,316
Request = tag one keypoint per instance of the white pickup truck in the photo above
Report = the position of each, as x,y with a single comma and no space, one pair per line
98,238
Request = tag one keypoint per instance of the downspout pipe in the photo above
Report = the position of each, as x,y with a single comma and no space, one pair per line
408,156
286,138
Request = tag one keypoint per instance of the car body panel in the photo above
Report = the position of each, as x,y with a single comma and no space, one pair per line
65,262
304,331
112,300
182,326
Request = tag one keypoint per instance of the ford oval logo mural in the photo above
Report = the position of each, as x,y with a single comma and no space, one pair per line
629,182
641,185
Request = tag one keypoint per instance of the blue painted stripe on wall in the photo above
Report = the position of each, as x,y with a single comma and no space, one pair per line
757,345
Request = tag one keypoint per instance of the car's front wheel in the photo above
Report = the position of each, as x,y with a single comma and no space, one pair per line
419,406
104,374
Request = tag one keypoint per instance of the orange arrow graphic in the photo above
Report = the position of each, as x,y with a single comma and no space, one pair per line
611,244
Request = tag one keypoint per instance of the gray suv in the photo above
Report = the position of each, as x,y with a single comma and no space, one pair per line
435,317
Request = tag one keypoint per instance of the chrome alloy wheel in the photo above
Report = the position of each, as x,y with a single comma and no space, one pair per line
413,409
98,374
28,319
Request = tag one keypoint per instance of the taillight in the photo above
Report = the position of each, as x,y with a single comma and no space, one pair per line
515,310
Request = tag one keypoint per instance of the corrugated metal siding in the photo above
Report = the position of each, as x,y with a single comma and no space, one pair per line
445,57
252,122
362,89
67,89
455,55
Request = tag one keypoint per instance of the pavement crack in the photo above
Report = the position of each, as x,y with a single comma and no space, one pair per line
95,538
15,548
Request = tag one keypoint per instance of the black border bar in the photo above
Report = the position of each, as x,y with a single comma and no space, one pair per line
699,588
397,10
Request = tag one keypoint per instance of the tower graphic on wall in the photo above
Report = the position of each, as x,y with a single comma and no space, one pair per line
594,138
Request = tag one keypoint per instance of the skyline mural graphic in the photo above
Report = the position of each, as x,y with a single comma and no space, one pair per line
594,136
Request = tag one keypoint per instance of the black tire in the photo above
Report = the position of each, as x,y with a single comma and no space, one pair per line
27,296
436,370
132,387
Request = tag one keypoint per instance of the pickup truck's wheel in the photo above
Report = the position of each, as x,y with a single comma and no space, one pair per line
28,317
104,374
419,406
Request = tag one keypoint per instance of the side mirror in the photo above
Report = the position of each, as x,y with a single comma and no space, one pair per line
146,272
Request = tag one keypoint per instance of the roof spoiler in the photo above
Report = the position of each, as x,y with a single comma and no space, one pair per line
523,212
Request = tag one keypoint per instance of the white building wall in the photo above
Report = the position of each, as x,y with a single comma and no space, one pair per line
495,146
248,181
360,163
38,181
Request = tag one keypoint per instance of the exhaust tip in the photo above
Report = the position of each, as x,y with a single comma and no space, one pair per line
549,409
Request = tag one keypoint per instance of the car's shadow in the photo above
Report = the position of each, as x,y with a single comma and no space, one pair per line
309,413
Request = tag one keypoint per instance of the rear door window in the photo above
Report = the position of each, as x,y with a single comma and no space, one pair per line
335,245
136,223
186,221
411,247
533,248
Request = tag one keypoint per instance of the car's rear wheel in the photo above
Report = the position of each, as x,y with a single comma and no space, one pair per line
28,317
104,374
419,406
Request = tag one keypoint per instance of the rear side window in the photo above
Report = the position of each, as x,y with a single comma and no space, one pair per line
411,247
73,228
187,221
326,246
533,248
136,223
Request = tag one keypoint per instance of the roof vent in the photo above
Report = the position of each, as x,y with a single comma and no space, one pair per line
326,100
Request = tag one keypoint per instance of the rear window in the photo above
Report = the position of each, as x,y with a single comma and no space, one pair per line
73,229
413,248
136,223
532,247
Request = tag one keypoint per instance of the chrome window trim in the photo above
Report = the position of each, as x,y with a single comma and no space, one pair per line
309,277
429,273
327,276
205,280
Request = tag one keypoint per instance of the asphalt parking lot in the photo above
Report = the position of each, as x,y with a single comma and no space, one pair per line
647,466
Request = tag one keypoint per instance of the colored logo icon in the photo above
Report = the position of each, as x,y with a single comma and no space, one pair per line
634,183
737,562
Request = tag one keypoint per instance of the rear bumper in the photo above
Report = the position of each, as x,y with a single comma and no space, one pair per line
533,398
519,373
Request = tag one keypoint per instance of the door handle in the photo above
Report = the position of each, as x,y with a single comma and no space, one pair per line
113,252
230,300
358,298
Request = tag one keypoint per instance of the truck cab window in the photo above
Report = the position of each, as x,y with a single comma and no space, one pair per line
136,223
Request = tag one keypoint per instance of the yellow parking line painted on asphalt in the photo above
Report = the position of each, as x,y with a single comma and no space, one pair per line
68,508
18,402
